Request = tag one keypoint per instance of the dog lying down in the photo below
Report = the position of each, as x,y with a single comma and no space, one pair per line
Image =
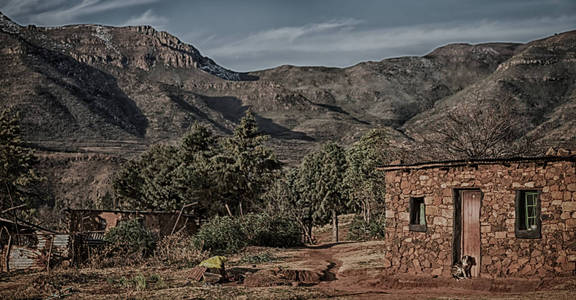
462,268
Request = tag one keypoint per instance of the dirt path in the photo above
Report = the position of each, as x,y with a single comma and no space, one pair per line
326,252
360,281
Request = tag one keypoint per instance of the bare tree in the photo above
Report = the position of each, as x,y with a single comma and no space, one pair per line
480,130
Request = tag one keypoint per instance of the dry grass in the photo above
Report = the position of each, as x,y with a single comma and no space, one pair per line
358,274
178,249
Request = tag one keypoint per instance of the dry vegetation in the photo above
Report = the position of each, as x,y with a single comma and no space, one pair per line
347,270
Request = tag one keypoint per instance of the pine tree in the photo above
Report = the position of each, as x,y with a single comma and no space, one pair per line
329,183
17,175
196,173
168,177
147,182
247,167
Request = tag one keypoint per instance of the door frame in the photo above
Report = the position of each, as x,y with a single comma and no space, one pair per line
457,225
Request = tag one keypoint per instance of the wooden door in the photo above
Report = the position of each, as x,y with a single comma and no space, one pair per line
471,227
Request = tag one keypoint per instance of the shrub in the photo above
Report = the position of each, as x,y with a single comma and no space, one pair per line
132,237
221,235
231,234
258,258
271,231
360,230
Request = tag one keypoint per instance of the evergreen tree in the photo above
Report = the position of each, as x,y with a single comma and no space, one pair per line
148,182
361,180
17,175
246,167
286,198
196,173
329,183
215,173
168,177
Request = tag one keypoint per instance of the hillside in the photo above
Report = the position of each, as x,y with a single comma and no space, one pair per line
116,90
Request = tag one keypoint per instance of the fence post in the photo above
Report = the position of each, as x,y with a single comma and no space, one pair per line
50,254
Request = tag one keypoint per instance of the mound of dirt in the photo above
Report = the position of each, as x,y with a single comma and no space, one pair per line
279,276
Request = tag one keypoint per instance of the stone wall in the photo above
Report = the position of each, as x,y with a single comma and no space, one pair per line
503,254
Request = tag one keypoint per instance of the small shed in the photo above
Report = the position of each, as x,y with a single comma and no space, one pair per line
88,226
516,216
26,246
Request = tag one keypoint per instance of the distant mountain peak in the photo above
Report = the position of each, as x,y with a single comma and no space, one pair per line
8,25
131,46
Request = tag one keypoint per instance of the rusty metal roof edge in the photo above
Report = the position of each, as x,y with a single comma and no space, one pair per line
145,212
465,162
29,225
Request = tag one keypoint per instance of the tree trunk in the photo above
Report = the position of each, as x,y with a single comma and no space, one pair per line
368,211
228,209
334,226
310,238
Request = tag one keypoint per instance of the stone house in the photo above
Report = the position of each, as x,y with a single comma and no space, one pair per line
517,216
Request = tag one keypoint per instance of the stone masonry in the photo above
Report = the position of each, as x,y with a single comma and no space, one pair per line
502,253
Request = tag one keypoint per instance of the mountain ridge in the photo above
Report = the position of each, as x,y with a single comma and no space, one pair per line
135,83
92,96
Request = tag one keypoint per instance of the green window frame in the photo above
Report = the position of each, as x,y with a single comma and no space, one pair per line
528,221
530,203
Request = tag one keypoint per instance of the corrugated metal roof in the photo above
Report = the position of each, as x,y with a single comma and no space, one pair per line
34,252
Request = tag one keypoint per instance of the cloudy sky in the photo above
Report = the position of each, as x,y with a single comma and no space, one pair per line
248,35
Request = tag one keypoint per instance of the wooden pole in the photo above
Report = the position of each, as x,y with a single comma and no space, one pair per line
50,254
5,253
7,257
12,204
180,214
334,226
228,209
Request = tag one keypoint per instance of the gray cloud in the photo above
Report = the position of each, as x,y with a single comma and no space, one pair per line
335,42
61,11
30,7
147,18
255,34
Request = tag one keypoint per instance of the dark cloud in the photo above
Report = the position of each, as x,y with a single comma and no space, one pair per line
255,34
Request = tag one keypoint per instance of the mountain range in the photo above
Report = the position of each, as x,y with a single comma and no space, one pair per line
101,91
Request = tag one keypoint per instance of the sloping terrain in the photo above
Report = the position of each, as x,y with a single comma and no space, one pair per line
116,90
90,83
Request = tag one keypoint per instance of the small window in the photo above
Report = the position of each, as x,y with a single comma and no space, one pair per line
528,222
417,214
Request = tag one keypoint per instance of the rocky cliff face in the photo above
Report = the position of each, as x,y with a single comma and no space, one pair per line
120,88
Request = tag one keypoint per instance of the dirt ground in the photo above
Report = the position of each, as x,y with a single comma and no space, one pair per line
329,271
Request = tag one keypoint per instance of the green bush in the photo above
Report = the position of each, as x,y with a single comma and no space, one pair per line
258,258
271,231
223,235
360,230
132,237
